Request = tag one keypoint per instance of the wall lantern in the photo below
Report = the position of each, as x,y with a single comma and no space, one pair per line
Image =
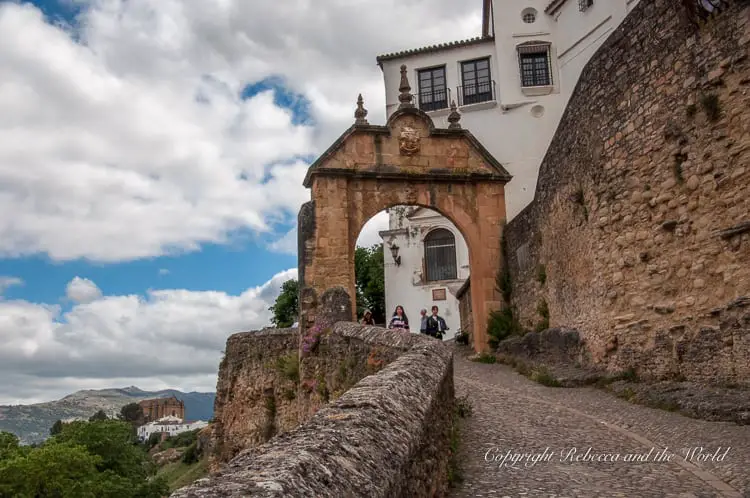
394,252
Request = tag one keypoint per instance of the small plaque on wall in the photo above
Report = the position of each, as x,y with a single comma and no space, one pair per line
438,294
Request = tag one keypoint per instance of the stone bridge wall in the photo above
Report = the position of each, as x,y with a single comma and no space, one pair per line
254,399
641,219
388,435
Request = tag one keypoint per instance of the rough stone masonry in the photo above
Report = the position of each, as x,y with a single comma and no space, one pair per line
387,436
641,220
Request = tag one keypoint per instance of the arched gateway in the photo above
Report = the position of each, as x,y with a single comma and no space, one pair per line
406,162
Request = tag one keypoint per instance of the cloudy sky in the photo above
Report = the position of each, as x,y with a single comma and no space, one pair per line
151,163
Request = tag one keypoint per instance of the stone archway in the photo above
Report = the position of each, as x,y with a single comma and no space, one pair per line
406,162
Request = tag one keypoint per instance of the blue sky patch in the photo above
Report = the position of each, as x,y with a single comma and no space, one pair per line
298,104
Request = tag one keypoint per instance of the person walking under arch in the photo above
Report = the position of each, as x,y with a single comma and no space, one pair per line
423,321
399,320
436,326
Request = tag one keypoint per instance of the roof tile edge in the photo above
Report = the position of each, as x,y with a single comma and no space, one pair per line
434,48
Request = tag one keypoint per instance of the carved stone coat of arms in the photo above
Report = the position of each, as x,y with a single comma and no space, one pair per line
408,141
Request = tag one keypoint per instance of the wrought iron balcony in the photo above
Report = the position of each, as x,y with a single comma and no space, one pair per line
434,99
474,93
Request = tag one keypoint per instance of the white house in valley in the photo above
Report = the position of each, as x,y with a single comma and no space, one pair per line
170,426
426,262
511,86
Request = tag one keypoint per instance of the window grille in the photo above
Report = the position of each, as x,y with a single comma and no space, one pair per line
536,65
440,255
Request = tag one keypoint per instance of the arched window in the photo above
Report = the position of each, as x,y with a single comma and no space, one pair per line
440,255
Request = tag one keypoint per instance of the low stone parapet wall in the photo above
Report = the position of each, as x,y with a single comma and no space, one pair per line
388,435
254,399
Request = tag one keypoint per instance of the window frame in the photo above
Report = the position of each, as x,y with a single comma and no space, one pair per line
535,52
478,96
449,253
434,104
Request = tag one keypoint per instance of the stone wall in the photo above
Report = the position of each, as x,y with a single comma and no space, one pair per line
255,399
641,219
267,387
388,436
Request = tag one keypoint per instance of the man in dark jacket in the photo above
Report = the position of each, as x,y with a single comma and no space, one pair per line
436,326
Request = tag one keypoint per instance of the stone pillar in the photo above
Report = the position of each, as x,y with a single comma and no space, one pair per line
486,261
325,257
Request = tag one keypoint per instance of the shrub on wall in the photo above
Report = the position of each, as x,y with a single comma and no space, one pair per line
543,311
501,325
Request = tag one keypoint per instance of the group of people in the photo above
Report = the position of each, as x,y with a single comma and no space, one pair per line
433,325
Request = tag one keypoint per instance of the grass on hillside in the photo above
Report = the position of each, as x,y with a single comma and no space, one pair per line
179,474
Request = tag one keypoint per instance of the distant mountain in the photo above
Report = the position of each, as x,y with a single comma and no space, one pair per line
31,423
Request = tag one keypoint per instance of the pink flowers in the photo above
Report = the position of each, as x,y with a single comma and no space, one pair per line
311,339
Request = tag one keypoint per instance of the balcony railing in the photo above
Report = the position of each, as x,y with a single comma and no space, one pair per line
474,93
434,100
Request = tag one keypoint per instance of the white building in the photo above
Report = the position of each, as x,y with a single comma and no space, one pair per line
511,86
426,262
168,425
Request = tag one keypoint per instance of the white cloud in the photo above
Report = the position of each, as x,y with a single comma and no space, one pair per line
369,234
286,244
6,282
134,142
82,290
163,271
170,338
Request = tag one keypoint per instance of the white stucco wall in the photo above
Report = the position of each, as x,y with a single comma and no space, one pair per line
404,283
519,125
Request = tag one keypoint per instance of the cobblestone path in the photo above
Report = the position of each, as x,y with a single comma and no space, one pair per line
512,413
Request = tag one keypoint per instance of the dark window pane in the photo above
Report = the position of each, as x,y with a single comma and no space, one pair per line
432,89
476,84
440,255
535,68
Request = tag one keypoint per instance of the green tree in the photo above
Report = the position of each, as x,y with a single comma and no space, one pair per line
9,446
100,415
153,440
56,428
370,281
133,413
113,441
97,459
286,308
53,470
